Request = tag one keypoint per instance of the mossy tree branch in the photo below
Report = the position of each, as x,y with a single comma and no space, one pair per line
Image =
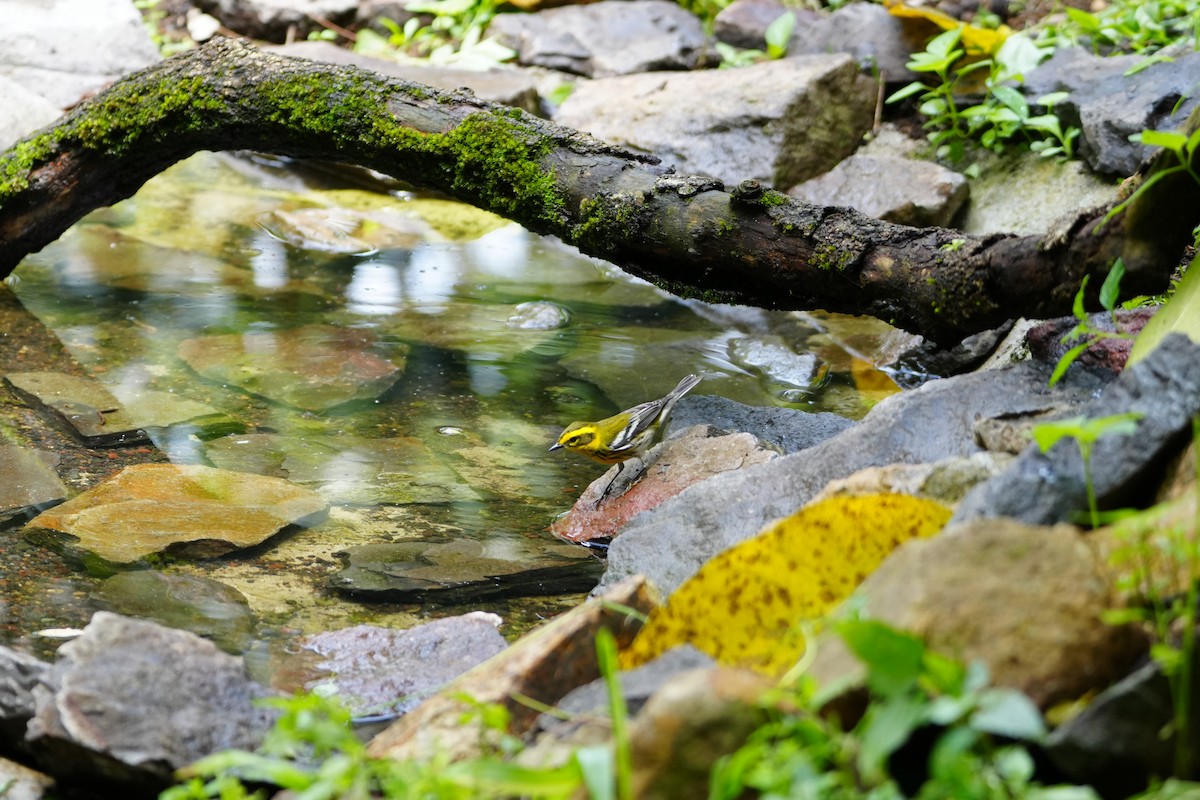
688,235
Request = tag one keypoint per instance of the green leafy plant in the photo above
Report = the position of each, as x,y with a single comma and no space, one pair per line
455,34
1128,26
777,36
1086,432
312,751
806,753
1184,146
1003,116
1085,330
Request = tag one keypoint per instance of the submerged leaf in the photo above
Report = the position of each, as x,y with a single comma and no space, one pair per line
745,606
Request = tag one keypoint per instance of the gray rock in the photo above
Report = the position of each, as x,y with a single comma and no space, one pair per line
63,50
599,40
19,674
385,672
270,20
925,359
1109,105
743,23
510,87
588,704
669,543
779,122
21,112
1047,488
907,192
129,702
875,39
788,429
1117,742
1002,202
538,315
29,480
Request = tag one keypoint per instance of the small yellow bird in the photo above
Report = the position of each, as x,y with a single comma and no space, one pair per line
618,438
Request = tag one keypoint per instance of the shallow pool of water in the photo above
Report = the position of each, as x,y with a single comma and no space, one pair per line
256,249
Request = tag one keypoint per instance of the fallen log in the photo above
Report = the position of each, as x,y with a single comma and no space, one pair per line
750,245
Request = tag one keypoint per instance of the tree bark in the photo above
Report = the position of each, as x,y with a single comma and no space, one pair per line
750,246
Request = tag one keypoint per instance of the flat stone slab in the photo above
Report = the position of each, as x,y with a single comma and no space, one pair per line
384,672
85,406
181,510
313,367
29,480
464,570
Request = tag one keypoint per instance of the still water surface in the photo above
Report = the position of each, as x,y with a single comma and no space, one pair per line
226,245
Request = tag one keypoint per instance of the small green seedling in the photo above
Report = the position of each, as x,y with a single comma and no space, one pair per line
1109,292
1086,432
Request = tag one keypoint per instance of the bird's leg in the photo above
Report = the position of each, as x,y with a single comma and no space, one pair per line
604,494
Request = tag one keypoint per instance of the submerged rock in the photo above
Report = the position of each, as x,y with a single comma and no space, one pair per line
193,603
771,357
313,367
192,511
347,469
129,702
384,672
29,480
85,406
464,570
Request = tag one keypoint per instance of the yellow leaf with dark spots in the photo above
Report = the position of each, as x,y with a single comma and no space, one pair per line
745,606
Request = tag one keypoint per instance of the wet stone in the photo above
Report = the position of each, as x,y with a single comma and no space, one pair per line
771,357
538,316
129,702
29,480
156,411
205,607
313,367
84,405
464,570
347,469
185,511
383,672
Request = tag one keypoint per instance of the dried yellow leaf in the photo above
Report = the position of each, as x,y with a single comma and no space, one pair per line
744,606
976,41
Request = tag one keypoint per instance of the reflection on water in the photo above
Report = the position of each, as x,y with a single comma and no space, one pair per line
369,345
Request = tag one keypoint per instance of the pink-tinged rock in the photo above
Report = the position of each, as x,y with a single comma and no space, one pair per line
696,454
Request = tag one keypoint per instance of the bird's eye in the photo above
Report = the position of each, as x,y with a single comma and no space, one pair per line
574,440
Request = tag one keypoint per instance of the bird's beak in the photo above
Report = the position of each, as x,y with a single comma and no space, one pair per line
555,446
